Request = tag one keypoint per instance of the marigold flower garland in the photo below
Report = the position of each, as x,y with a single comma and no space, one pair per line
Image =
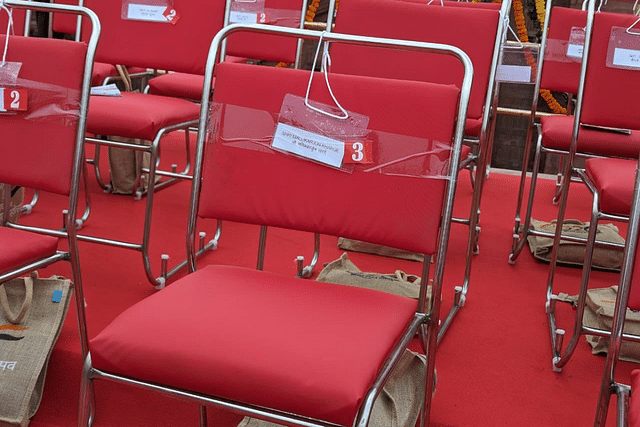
521,29
553,104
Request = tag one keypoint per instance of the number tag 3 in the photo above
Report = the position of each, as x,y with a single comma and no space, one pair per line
13,99
358,152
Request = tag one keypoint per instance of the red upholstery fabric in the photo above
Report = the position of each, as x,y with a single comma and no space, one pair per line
562,76
614,179
136,115
47,130
178,85
284,13
182,85
471,29
634,400
258,337
19,248
473,127
464,152
286,191
453,3
557,130
101,71
180,47
62,22
18,16
609,95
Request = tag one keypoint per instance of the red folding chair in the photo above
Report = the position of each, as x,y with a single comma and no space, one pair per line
605,116
476,30
243,47
44,127
131,38
103,73
628,298
557,72
322,351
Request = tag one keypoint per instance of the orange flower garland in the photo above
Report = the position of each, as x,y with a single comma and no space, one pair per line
521,28
308,17
311,11
553,104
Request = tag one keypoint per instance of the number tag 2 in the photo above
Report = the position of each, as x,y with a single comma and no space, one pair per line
13,99
359,152
171,15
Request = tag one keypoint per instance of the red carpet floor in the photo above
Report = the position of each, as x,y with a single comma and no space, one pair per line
494,364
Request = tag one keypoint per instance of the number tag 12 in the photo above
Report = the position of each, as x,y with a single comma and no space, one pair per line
13,99
358,152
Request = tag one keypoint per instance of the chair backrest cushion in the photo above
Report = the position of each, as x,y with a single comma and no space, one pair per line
473,30
562,74
610,94
179,46
63,22
38,144
286,13
262,186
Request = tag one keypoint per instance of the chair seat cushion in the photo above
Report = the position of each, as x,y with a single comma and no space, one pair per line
614,179
101,71
634,400
19,248
178,85
137,115
296,345
557,131
183,85
473,127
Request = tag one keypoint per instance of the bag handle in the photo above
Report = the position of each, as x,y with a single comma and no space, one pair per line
4,302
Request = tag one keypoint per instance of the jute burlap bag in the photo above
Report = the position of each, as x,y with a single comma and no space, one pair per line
372,248
572,253
598,313
345,272
400,401
125,164
30,323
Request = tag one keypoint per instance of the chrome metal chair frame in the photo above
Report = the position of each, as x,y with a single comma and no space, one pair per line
426,320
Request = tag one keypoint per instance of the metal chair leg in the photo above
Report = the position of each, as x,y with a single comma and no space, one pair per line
305,272
521,230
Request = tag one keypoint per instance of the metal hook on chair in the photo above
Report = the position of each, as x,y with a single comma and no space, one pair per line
601,3
633,33
325,64
507,25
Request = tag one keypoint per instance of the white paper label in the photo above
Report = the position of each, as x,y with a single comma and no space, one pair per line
144,12
2,109
243,17
514,73
575,51
626,58
106,90
308,145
